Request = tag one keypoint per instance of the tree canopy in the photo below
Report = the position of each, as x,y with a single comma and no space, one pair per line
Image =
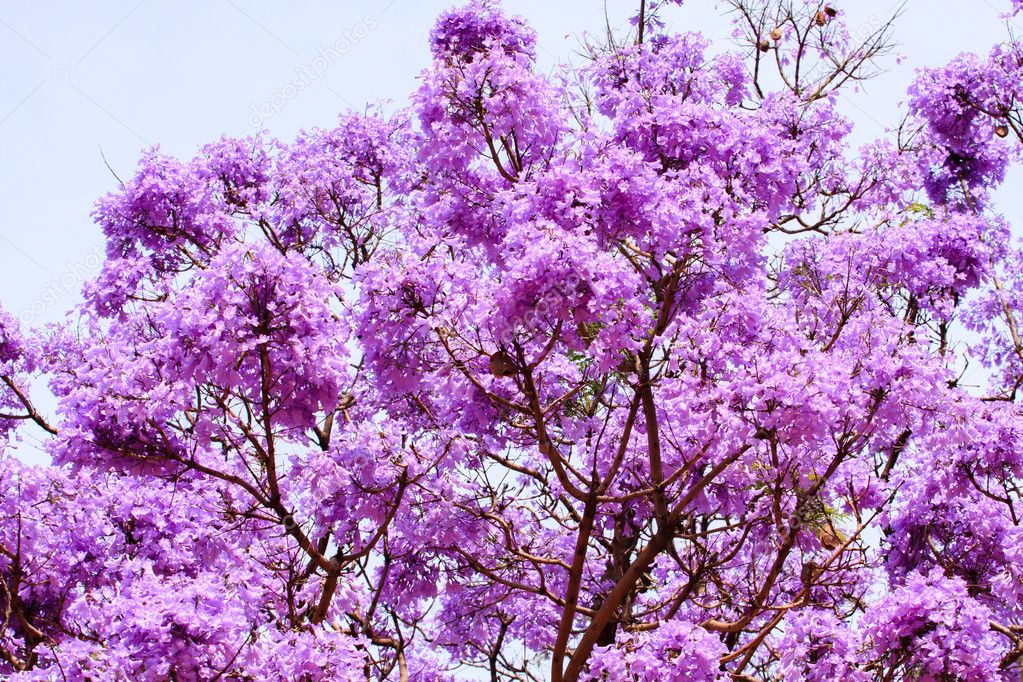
636,370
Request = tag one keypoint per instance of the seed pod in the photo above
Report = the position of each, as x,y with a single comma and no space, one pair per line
828,536
587,332
1002,131
830,11
627,364
764,45
828,540
820,19
777,34
501,364
809,573
608,633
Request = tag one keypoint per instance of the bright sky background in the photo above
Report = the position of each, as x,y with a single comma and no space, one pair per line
81,78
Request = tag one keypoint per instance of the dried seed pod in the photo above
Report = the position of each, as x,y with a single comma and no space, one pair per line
764,45
501,364
608,634
820,18
828,536
1002,131
627,364
777,34
830,11
587,332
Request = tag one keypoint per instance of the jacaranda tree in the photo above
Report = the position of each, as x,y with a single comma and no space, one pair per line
638,371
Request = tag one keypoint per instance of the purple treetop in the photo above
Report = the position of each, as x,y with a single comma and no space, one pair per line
643,373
